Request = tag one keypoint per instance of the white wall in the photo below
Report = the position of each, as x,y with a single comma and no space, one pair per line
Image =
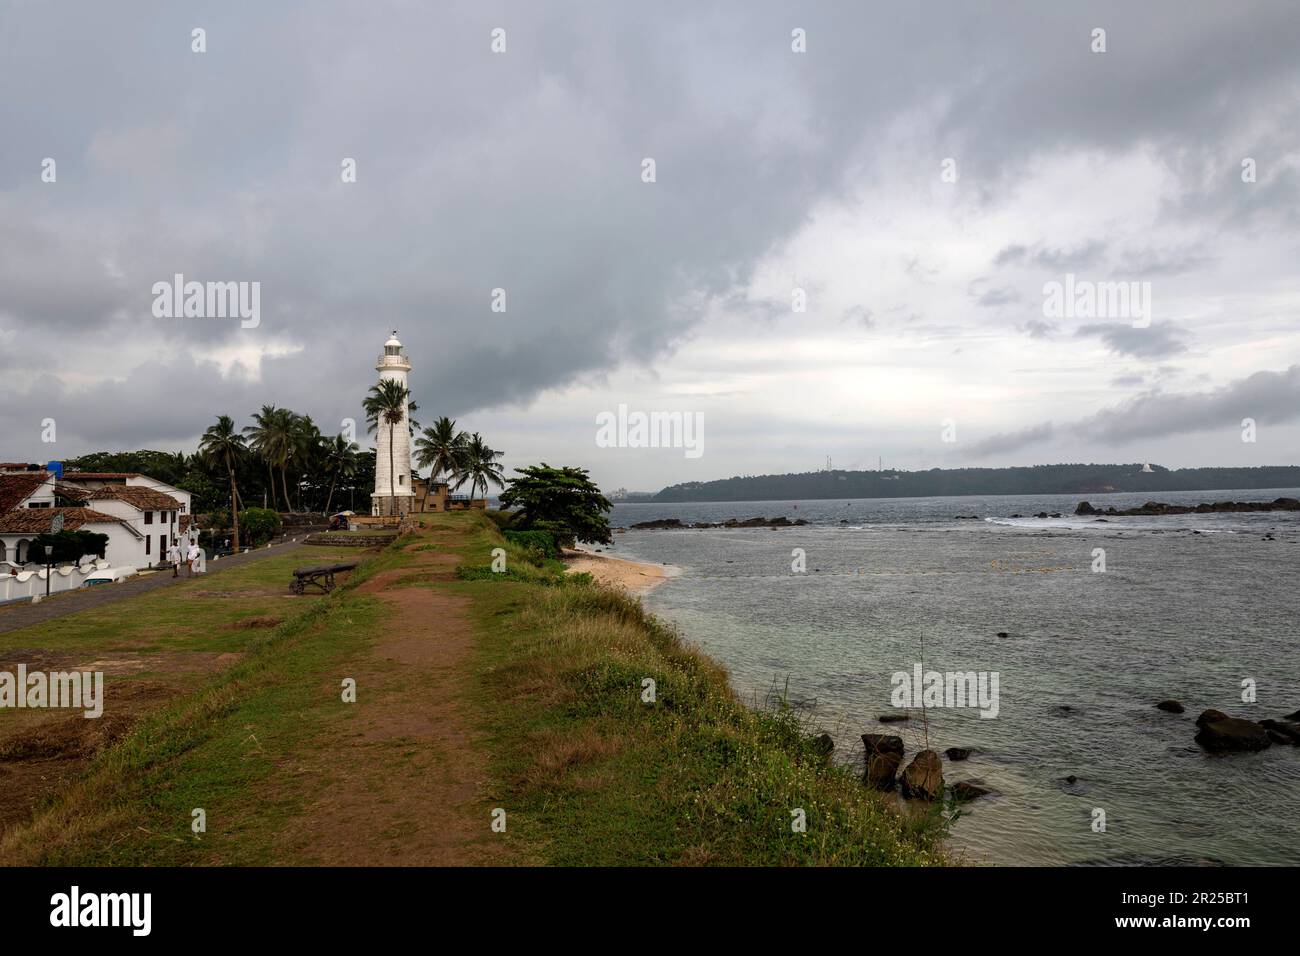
126,548
29,583
123,547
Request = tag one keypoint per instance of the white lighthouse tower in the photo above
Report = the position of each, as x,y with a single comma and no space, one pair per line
396,496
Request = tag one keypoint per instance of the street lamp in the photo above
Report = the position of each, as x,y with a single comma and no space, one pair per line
49,550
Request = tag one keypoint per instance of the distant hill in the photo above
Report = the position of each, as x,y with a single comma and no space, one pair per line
1036,480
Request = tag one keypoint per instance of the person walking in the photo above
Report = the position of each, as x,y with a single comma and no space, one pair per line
194,555
174,556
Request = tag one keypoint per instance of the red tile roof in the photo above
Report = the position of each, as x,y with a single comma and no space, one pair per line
99,475
71,492
145,499
37,520
14,488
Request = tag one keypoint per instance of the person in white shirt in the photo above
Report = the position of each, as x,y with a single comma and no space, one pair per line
174,556
194,555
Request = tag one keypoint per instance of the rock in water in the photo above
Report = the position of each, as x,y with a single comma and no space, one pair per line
1210,716
1289,729
892,718
923,777
884,753
1171,706
964,790
823,745
1232,735
957,753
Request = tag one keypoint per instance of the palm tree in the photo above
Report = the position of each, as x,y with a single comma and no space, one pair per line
442,448
387,404
480,466
268,437
340,462
305,449
222,444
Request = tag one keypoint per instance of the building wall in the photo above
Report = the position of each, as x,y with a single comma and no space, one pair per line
125,547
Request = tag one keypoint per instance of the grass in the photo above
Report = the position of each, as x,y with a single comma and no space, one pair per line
227,748
190,615
593,774
589,771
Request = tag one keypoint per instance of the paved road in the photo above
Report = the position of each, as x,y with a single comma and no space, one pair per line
18,615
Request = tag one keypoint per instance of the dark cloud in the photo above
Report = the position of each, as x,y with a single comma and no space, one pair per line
1271,398
1158,340
522,171
1082,256
1006,442
1037,328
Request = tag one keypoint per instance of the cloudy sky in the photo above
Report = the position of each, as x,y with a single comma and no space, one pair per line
918,174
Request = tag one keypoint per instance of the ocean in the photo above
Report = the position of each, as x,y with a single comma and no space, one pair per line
1195,608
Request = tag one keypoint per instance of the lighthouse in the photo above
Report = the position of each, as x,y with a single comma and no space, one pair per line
396,496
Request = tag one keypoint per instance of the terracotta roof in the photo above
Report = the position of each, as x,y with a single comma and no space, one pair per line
98,475
14,488
146,499
37,520
71,492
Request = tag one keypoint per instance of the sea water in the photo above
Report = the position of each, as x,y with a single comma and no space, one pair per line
1197,608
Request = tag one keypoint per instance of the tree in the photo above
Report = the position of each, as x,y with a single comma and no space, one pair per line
260,523
222,444
340,462
563,501
269,438
67,546
479,465
442,448
388,404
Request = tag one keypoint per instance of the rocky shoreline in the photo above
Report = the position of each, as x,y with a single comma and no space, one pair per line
1152,508
922,779
676,524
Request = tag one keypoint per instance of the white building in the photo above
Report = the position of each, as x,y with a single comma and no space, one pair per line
138,517
398,495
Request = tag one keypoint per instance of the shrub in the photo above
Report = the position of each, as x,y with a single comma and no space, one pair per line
539,542
68,546
259,525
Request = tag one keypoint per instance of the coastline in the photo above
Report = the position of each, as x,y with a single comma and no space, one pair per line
634,577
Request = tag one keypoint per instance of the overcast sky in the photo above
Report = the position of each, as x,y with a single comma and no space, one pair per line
775,170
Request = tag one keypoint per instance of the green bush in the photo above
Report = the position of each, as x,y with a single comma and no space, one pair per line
540,542
68,546
259,525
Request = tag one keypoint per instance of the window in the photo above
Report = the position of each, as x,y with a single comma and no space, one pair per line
148,519
38,504
401,480
148,542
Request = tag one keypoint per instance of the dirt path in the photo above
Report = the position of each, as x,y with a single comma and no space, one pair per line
401,781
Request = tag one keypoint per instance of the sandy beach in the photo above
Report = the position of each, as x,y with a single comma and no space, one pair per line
635,577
